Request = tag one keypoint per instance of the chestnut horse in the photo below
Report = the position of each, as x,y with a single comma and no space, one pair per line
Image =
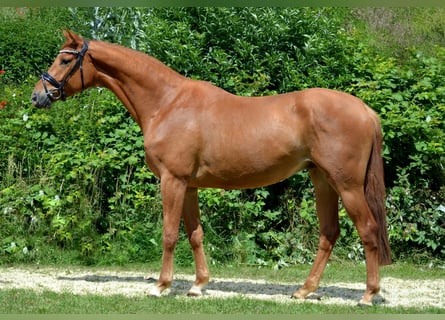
197,135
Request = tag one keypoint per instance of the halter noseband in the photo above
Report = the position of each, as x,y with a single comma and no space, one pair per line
59,86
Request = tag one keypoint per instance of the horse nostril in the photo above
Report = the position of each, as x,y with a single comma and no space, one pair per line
35,100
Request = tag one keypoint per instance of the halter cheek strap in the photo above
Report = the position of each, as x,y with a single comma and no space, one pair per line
58,91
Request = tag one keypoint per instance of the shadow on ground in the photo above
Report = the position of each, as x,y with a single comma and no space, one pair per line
181,287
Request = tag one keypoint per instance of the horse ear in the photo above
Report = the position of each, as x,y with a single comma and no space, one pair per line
71,37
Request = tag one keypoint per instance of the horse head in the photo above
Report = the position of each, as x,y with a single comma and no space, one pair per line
69,73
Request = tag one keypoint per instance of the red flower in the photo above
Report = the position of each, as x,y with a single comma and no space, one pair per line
2,71
3,104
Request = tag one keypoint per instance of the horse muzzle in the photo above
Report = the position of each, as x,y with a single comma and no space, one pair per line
41,99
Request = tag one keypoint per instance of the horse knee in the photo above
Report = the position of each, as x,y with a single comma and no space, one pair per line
333,235
361,215
196,238
327,242
368,233
328,238
169,240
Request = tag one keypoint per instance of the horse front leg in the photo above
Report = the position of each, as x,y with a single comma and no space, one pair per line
173,194
195,234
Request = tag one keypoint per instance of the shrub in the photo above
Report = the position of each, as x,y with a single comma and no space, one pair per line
29,41
409,99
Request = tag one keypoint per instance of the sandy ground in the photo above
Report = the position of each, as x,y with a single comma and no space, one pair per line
395,292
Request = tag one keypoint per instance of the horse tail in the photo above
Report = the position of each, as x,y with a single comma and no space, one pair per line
375,193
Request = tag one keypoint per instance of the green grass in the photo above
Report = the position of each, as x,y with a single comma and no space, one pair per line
344,271
20,301
25,301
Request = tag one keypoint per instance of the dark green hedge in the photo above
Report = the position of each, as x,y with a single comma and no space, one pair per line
74,186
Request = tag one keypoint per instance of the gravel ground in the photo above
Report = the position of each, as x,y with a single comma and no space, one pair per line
395,292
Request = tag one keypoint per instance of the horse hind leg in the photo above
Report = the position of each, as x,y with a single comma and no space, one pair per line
357,208
327,212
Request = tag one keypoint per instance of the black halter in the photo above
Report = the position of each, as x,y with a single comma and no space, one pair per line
58,92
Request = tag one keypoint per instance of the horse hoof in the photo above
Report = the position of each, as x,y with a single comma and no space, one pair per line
155,292
298,296
195,292
364,303
302,293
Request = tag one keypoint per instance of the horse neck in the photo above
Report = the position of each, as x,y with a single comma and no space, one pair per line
142,83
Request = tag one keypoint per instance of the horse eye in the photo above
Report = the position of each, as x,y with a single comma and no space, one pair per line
65,61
